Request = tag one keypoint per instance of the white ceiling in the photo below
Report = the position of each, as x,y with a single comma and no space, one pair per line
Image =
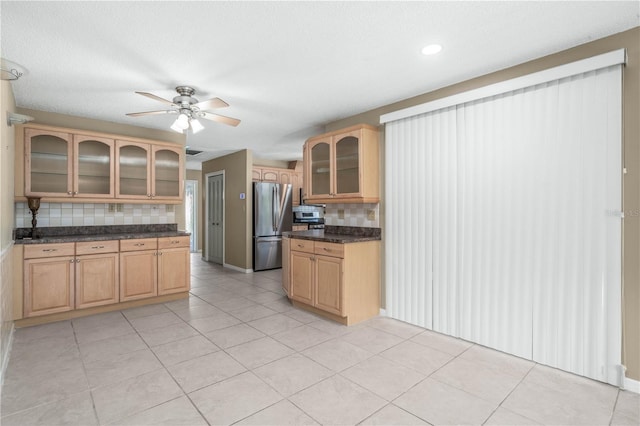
285,68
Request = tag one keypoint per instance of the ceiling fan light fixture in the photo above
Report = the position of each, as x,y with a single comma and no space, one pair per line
182,121
431,49
176,127
196,126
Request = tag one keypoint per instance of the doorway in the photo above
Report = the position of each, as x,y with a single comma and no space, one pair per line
215,217
191,213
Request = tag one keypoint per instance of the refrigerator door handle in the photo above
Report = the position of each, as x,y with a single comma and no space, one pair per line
274,204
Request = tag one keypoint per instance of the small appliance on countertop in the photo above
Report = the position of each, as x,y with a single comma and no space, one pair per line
309,214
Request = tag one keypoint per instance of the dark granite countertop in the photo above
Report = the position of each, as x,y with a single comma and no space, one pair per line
70,234
338,234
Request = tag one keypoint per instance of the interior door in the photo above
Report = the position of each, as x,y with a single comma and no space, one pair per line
215,218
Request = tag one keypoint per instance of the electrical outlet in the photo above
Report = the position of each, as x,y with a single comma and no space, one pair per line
119,207
371,214
340,213
112,207
169,208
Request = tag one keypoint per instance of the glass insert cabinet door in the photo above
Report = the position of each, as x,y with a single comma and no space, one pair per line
347,165
167,173
320,168
133,170
48,167
93,166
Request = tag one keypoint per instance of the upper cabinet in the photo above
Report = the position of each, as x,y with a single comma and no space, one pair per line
290,176
61,165
148,171
342,166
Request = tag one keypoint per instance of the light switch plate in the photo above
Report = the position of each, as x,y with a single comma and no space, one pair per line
340,213
371,214
112,207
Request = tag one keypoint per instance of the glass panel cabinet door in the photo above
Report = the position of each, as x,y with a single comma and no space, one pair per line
133,167
347,166
94,165
320,169
49,165
167,173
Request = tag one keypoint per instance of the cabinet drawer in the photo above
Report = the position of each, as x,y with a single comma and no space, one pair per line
96,247
34,251
173,242
139,244
302,245
329,249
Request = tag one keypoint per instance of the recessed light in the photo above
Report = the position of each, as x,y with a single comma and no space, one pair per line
431,49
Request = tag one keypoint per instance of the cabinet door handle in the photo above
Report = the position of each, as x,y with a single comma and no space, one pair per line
97,247
326,249
49,250
175,242
138,244
301,245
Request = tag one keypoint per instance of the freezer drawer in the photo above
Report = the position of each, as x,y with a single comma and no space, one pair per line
267,253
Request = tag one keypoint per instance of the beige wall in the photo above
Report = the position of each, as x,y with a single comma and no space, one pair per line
197,176
629,40
83,123
257,162
7,147
237,227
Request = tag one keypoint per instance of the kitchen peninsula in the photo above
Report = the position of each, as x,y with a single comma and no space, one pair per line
334,272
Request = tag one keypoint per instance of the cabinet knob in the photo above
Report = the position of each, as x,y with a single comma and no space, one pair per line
69,193
75,193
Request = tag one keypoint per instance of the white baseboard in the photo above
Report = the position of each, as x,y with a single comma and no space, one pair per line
237,268
631,385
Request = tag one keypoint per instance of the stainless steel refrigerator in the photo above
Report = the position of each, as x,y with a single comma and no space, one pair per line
271,217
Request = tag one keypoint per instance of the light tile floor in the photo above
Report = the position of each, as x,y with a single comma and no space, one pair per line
236,352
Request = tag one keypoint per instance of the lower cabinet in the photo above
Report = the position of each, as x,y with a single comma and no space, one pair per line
138,269
286,269
174,265
48,285
341,280
97,281
66,276
76,280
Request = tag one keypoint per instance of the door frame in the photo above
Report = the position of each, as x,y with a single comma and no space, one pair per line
196,213
206,215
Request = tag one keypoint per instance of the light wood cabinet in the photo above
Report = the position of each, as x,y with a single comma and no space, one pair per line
67,165
138,269
63,277
48,278
261,174
48,160
340,281
93,167
342,166
286,269
149,172
289,176
174,265
97,274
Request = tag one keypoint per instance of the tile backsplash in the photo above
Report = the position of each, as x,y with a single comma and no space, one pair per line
78,214
361,215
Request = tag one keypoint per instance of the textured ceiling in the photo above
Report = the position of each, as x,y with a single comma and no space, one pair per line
286,68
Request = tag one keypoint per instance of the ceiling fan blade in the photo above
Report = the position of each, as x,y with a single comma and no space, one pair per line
139,114
212,104
157,98
220,118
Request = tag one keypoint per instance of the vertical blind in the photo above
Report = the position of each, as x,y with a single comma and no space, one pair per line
503,221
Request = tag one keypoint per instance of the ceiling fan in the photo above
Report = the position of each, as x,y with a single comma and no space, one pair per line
189,110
